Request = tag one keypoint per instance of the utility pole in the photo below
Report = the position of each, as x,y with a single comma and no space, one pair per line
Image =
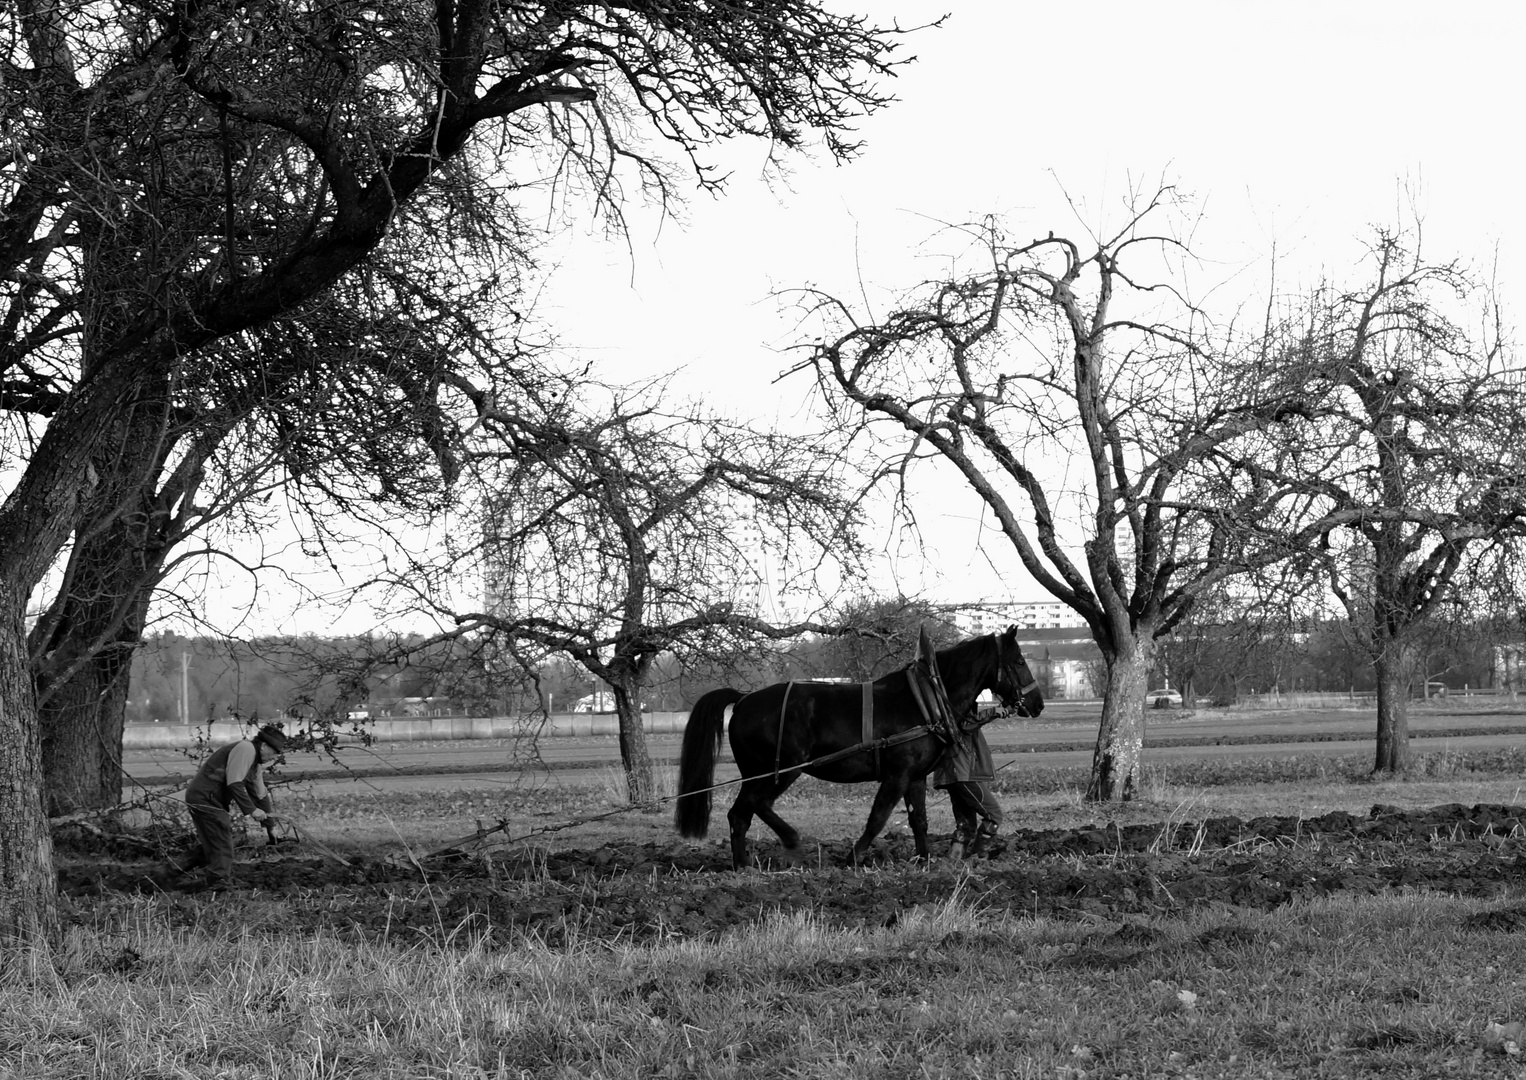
185,688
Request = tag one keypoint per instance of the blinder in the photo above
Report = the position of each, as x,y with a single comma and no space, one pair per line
1010,675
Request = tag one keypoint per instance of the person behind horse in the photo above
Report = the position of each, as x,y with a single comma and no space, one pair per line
231,776
966,771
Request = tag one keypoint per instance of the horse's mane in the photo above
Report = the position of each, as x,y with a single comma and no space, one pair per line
958,659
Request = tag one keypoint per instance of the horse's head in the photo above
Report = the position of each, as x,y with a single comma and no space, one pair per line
1015,684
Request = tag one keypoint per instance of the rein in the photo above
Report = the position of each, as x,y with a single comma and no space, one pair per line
878,744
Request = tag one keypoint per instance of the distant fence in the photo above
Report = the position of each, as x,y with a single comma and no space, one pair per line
1307,700
1345,699
415,729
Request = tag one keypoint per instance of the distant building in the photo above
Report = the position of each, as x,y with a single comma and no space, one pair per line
1056,642
744,570
752,577
1064,659
993,616
392,708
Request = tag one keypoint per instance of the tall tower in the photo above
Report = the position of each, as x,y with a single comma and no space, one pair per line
754,588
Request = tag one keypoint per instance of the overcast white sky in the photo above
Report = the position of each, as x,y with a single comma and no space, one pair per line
1294,123
1298,124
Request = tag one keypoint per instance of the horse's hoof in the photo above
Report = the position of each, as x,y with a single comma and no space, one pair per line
807,851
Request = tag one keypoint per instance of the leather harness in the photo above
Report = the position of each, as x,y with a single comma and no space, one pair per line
927,690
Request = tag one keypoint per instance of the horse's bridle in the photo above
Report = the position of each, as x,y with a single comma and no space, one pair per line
1004,670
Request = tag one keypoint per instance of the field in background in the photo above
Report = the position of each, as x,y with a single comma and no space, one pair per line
1062,738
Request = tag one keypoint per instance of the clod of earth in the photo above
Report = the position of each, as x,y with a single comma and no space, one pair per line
641,891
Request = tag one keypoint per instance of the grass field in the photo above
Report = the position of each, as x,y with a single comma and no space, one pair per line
1387,986
1402,983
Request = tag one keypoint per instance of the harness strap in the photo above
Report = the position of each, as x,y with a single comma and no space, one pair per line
878,744
867,727
870,745
779,739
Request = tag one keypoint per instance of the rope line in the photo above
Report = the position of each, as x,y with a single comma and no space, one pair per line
305,834
897,739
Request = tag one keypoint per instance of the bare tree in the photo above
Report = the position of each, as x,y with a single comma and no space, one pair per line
344,398
614,530
175,176
1410,445
1241,634
1052,352
887,631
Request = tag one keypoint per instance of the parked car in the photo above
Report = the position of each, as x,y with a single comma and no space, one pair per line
1164,699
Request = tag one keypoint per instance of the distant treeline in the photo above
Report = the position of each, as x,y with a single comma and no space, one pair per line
210,678
175,678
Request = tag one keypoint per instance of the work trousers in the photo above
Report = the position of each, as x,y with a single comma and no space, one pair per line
975,807
214,839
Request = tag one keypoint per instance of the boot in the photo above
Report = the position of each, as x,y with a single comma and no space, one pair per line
981,845
960,846
173,870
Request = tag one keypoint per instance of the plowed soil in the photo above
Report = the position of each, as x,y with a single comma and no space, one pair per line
640,891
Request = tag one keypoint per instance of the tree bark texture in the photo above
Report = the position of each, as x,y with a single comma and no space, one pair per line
634,754
1120,738
28,908
82,648
1393,667
35,521
82,736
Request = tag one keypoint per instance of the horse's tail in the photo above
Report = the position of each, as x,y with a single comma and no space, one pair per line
696,762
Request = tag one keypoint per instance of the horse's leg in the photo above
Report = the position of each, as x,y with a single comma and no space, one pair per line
740,817
788,835
757,797
892,789
916,813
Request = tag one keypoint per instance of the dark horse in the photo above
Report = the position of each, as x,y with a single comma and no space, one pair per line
786,729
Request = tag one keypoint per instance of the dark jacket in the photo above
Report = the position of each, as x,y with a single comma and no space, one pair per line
232,775
965,759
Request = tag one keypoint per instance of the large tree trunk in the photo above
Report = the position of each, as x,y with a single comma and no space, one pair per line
36,519
1120,740
82,647
83,650
28,906
633,750
1394,666
82,738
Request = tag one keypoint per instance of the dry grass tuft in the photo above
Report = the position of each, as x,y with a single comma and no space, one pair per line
1346,987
